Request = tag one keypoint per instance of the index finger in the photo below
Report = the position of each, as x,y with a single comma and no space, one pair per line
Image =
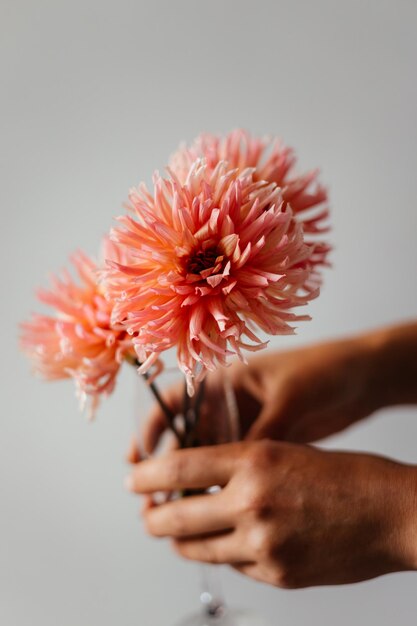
195,468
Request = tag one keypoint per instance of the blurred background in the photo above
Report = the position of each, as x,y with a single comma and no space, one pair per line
95,96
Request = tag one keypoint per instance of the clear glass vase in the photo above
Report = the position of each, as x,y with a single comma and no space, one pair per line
210,417
213,610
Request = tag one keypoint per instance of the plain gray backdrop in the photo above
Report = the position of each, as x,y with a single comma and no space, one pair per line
95,96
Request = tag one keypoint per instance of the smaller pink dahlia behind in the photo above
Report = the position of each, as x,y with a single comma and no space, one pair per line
79,341
273,163
210,261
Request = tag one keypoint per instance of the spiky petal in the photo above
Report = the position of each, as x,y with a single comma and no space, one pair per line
210,261
79,341
272,162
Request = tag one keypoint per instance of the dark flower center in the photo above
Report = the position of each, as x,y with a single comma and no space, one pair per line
203,260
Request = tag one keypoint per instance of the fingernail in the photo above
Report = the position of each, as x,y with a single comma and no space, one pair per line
128,483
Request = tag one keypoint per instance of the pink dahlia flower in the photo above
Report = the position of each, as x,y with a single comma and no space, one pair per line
210,261
79,341
273,162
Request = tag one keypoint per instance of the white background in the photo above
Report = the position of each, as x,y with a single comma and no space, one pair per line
95,95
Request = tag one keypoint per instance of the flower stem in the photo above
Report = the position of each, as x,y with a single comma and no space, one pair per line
169,415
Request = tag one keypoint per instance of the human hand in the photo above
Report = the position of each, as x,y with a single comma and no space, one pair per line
301,395
288,515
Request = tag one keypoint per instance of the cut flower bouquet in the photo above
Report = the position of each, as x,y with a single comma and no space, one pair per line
224,248
227,244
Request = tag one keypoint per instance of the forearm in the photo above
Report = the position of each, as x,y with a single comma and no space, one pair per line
393,364
401,513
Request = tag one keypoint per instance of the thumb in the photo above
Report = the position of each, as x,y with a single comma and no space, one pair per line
267,425
133,455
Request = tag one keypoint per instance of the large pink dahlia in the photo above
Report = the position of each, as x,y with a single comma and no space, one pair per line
210,261
272,162
79,341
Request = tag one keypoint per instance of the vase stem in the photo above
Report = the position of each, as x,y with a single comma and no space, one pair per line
211,596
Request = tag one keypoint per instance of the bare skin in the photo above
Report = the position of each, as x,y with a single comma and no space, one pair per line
288,514
307,394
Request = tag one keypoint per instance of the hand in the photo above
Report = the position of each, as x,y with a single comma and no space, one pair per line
287,515
302,395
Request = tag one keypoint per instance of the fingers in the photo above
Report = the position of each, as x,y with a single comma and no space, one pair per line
156,422
197,515
278,412
220,549
267,425
197,468
318,425
133,453
252,570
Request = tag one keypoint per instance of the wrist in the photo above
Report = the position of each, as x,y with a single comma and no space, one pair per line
366,361
401,515
409,512
392,366
375,347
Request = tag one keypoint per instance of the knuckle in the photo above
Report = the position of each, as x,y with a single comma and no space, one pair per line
266,551
175,467
178,523
260,544
254,497
262,454
283,578
254,500
201,552
157,523
210,555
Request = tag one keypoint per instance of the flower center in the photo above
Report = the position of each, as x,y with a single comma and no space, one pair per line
203,260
